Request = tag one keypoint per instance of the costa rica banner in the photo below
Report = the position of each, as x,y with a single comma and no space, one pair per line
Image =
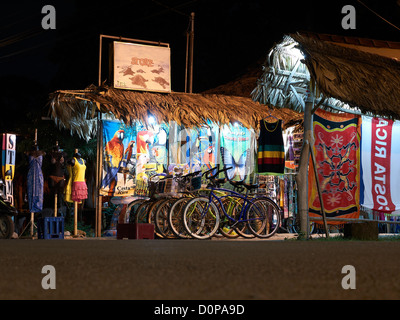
380,159
337,154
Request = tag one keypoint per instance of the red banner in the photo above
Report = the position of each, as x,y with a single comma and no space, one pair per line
381,143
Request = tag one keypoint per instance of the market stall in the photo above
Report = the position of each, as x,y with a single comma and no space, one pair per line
349,78
142,133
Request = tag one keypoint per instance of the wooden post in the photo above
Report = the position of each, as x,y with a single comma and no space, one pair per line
55,204
99,169
302,176
75,218
32,223
191,51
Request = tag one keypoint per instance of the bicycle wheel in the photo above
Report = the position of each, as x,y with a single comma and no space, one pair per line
175,218
241,225
263,217
161,218
151,212
201,218
142,211
131,210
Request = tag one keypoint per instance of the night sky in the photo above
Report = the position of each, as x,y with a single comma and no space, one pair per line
230,37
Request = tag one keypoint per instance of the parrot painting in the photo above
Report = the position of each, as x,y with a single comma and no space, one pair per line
127,158
144,138
160,156
209,158
114,152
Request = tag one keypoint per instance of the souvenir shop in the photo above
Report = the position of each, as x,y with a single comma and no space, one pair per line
133,154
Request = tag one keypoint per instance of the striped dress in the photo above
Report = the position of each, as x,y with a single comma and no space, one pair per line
271,151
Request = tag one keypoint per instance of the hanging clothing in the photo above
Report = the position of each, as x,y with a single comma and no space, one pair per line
35,183
56,175
79,187
271,151
68,188
237,151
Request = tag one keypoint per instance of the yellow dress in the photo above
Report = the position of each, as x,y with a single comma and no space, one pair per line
68,188
79,188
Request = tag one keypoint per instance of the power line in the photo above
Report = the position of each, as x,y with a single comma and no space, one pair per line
76,35
393,25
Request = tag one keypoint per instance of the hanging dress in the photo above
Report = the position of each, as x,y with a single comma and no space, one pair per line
79,187
35,184
68,188
271,150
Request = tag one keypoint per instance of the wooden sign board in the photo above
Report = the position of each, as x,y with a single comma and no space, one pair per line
142,67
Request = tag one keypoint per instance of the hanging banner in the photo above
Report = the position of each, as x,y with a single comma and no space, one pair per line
380,156
151,154
8,164
119,159
337,154
195,148
142,67
237,151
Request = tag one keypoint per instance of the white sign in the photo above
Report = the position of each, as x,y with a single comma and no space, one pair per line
142,67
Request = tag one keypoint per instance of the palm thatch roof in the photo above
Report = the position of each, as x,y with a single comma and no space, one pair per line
346,78
76,110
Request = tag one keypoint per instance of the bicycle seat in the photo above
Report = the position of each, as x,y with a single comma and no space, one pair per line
220,181
236,183
250,186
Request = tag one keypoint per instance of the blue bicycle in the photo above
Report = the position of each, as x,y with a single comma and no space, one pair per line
252,214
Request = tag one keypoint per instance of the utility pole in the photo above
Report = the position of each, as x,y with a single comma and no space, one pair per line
189,55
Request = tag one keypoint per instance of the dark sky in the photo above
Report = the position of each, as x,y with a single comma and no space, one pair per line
229,35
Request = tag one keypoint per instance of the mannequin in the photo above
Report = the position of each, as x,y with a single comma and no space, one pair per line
56,174
35,181
78,187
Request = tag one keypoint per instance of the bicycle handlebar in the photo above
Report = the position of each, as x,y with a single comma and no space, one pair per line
207,173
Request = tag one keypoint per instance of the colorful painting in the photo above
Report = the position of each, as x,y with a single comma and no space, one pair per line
142,67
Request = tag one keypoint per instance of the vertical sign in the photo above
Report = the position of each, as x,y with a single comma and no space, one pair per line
8,164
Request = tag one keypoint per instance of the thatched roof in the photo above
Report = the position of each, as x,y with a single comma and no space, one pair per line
364,81
73,109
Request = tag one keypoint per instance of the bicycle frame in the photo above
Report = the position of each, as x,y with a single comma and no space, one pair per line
247,202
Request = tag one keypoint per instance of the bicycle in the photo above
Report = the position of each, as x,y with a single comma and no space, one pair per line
166,220
201,215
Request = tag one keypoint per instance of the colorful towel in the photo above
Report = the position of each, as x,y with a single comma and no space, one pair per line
119,154
380,160
337,152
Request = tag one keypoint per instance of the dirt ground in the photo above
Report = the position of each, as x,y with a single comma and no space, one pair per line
196,270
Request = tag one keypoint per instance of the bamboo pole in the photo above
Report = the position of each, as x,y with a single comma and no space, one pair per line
319,190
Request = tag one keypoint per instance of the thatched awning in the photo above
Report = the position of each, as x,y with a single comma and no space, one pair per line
364,81
368,81
73,109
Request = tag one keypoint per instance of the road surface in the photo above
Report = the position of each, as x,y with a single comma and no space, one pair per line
195,269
